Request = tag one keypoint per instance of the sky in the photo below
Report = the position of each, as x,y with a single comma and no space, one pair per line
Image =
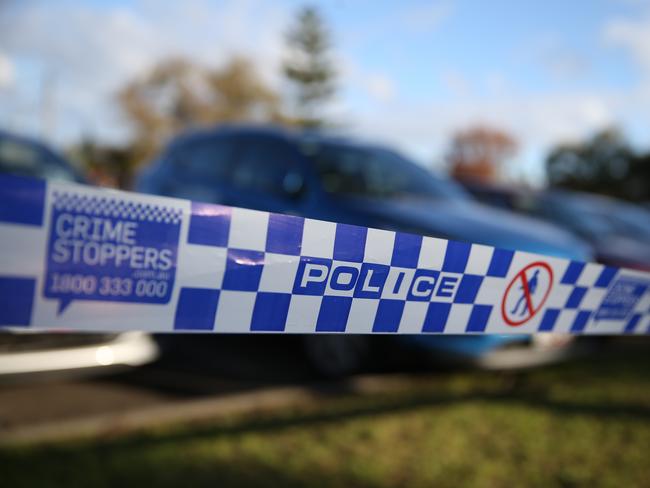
411,73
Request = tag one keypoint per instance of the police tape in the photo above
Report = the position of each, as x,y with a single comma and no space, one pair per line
81,258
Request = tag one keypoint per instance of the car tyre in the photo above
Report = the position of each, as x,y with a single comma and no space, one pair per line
334,356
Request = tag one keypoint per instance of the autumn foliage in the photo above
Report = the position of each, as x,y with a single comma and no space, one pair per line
478,154
178,94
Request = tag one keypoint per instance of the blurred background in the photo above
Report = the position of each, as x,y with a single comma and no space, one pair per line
518,125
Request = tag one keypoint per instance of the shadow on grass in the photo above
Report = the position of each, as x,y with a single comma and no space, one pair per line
410,403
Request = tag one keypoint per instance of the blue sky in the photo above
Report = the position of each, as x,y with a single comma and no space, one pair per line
411,73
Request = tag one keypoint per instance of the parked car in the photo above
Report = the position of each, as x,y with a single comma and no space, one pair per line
27,353
500,196
619,235
619,232
342,180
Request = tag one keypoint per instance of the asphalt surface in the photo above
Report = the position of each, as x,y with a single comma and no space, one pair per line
191,367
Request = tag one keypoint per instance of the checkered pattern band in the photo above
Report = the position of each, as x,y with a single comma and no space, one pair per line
114,207
246,271
279,273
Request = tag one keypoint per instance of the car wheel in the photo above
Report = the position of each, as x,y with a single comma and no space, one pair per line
335,355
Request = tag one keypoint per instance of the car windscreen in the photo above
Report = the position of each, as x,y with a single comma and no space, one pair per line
203,158
26,159
375,173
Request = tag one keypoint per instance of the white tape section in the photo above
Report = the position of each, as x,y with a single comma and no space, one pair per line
82,258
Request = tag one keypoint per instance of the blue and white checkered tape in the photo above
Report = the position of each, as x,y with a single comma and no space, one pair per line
82,258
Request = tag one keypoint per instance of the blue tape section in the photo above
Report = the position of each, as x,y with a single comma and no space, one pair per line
456,256
576,297
372,279
284,234
423,284
572,273
243,270
479,317
196,309
622,296
209,225
632,323
16,300
23,200
389,314
145,233
500,263
548,321
468,288
580,321
333,314
350,243
406,250
436,317
606,276
270,311
308,268
344,278
447,286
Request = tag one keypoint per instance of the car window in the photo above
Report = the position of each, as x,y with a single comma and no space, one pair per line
207,159
630,220
25,159
377,173
264,165
575,215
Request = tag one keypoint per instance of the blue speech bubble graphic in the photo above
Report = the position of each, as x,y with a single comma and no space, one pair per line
107,249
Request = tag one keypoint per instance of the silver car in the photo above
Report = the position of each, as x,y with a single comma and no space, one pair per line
26,353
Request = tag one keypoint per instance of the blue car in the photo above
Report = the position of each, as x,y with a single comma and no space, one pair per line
338,179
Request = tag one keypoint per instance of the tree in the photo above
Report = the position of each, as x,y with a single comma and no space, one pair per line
479,153
166,100
603,164
308,67
240,95
104,164
177,94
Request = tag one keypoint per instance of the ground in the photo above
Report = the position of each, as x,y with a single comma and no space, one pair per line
582,423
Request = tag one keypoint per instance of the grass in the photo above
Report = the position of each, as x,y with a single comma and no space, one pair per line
583,423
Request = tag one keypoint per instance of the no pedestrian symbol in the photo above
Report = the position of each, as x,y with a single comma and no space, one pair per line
526,293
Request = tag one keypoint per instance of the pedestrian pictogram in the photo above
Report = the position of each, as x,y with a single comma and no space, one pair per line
526,293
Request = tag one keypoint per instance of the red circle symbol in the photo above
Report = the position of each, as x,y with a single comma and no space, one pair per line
530,305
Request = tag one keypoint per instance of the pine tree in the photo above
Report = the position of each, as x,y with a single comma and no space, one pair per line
309,68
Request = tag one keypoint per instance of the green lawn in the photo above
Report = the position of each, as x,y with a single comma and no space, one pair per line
584,423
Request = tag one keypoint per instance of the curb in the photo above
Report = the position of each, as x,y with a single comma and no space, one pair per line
191,411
